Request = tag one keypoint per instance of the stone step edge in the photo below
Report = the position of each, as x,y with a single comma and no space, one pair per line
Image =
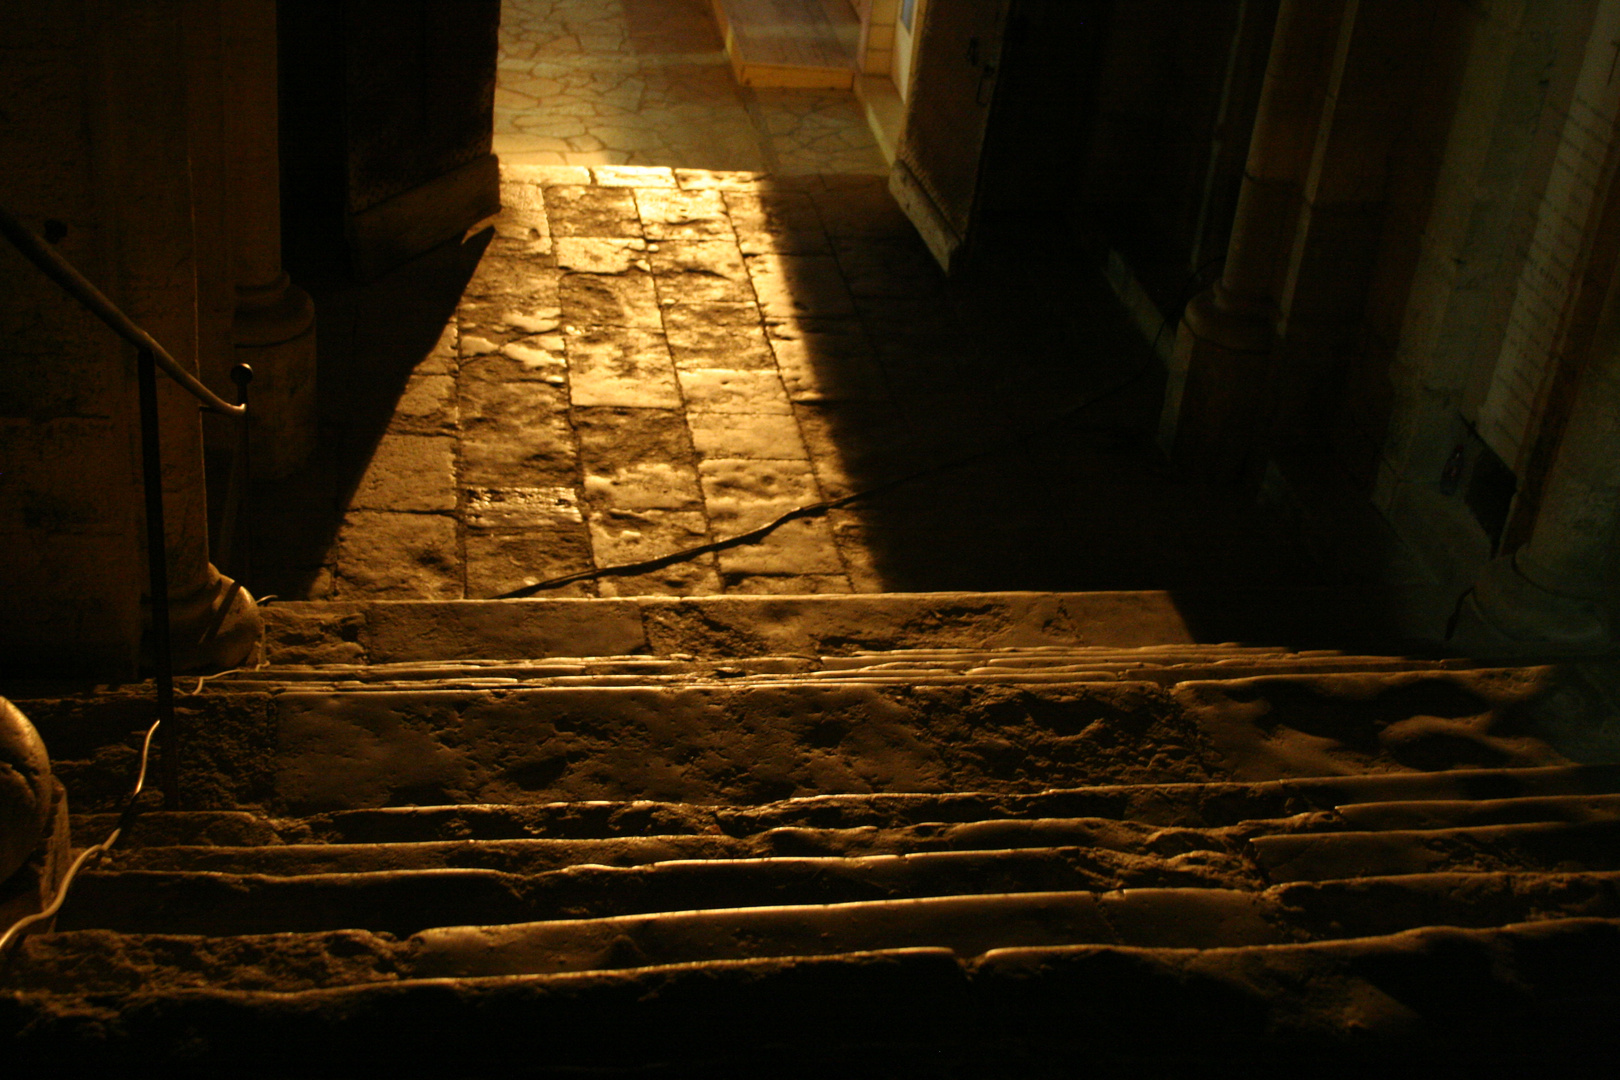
714,626
1308,793
1067,1006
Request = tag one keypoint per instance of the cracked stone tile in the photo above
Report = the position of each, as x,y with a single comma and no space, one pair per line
734,390
637,459
409,472
603,300
671,214
700,271
623,537
497,564
859,545
768,436
396,556
427,406
621,367
601,255
522,508
788,286
828,366
743,494
704,336
782,222
591,211
796,548
788,585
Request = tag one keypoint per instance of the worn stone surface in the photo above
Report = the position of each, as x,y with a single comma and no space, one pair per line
409,472
389,555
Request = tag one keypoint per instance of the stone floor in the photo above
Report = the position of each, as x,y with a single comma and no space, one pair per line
635,359
647,82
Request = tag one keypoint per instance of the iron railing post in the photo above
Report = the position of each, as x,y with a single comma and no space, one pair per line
235,539
157,559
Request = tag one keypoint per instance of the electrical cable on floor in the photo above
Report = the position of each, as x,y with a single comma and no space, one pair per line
812,510
15,932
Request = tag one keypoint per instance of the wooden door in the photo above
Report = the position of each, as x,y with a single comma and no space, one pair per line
940,158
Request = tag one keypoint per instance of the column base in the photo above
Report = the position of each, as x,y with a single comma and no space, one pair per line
1217,397
1507,608
213,628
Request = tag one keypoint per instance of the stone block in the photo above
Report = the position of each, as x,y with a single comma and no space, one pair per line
717,180
598,300
788,286
795,549
601,254
716,336
828,366
498,510
398,556
788,585
409,472
427,407
623,537
783,222
670,214
700,271
628,368
633,176
729,390
591,211
507,630
743,494
768,436
499,563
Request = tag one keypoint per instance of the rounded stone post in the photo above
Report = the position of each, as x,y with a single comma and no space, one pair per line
274,327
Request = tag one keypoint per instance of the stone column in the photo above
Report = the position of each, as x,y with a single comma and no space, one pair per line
1216,401
149,184
274,327
1554,588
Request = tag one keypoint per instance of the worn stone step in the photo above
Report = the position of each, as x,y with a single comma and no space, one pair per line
1443,813
1551,846
402,901
1536,998
1187,805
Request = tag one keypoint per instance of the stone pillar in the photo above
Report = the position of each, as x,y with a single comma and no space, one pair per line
274,327
1554,588
149,187
1217,398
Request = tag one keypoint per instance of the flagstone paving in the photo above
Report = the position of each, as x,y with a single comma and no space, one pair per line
647,82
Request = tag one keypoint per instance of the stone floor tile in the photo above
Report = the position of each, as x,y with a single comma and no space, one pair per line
512,281
608,300
601,254
733,390
855,446
591,211
634,176
888,268
508,510
782,222
384,555
546,175
515,434
793,285
539,358
859,547
743,494
796,548
788,585
828,366
717,336
700,271
621,367
621,538
717,180
445,355
855,205
427,407
769,436
409,472
672,214
499,563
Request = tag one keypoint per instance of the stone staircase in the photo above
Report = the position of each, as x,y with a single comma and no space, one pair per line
946,835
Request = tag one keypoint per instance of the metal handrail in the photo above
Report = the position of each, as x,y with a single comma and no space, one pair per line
151,356
59,270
